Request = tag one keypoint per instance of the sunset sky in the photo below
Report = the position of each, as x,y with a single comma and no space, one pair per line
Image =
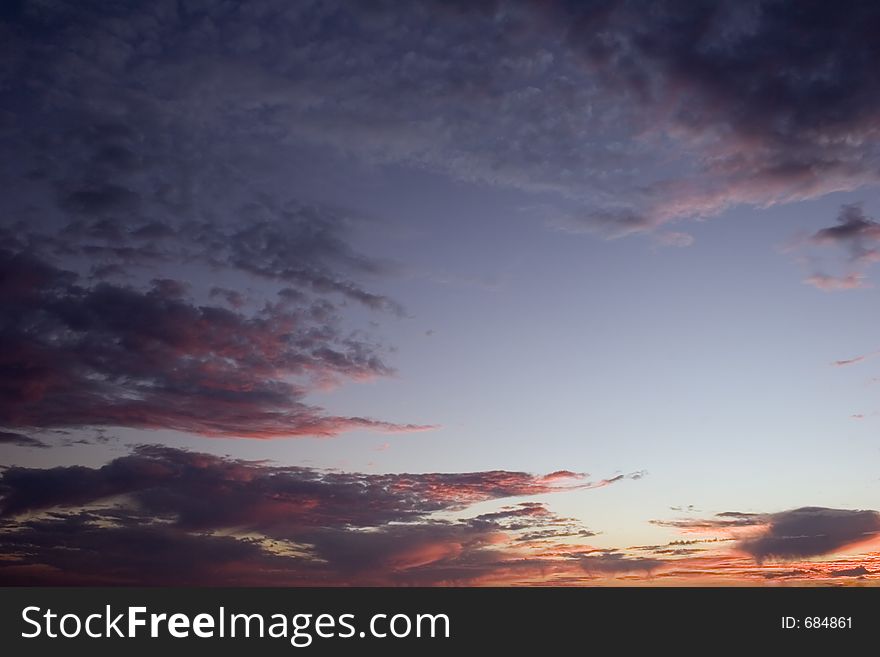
440,293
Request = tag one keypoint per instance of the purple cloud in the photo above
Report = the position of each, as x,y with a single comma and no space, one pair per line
116,355
243,522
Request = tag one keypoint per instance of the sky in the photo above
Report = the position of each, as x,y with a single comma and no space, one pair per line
439,293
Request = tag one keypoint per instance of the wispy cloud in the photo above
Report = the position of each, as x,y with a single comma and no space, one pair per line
812,531
13,438
854,360
859,237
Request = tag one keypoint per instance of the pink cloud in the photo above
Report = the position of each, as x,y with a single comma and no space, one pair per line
827,283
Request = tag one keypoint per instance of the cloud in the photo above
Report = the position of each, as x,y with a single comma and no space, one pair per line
799,128
724,520
239,522
115,201
164,479
811,531
740,516
116,355
100,200
244,522
19,439
160,267
858,571
787,535
851,361
795,573
855,231
296,245
81,549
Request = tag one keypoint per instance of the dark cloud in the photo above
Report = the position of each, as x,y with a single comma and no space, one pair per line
232,297
678,548
100,200
238,521
616,562
781,98
302,246
796,573
739,515
84,549
190,485
555,534
19,439
853,229
794,534
677,552
858,235
726,519
858,571
421,553
140,218
766,101
525,509
811,531
114,355
525,516
777,70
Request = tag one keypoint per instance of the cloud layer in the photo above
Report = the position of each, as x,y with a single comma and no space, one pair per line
763,102
854,243
789,535
238,522
166,516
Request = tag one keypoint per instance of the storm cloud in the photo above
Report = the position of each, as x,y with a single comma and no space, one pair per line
766,102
